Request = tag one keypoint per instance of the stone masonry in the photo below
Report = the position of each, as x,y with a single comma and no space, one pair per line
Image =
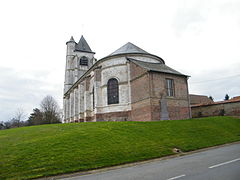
141,86
223,108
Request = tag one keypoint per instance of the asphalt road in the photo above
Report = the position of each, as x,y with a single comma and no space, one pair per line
222,163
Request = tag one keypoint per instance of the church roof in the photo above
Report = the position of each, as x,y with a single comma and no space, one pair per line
156,67
71,40
82,45
129,48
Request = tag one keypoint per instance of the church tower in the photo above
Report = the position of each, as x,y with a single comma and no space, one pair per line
79,59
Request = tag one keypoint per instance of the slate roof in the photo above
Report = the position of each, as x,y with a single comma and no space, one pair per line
129,48
156,67
82,45
71,40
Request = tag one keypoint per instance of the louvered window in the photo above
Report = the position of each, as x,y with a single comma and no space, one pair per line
84,61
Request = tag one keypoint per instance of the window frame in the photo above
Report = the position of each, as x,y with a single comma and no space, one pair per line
83,61
112,91
170,88
93,98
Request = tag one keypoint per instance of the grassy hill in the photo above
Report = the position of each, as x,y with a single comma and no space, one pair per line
37,151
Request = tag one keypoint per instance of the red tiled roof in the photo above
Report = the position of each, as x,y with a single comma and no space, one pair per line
234,99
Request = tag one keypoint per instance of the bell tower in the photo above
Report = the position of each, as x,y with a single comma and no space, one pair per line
79,59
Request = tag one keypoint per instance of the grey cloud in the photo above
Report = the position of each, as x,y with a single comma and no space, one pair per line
186,17
23,90
217,83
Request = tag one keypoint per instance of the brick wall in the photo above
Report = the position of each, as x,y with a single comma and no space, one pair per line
147,89
141,111
178,105
140,94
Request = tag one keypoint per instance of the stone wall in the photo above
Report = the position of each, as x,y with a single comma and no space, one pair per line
140,93
80,98
216,109
113,116
73,69
114,68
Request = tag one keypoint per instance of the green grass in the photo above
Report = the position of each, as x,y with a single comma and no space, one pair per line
38,151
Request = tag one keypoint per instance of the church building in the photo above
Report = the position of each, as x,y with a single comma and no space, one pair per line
130,84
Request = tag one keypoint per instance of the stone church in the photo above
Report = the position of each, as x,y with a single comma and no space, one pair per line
130,84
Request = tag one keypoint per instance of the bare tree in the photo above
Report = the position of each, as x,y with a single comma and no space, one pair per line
18,120
19,117
50,110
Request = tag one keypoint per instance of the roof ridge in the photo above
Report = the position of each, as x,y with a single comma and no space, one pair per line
156,67
144,61
82,45
129,48
71,40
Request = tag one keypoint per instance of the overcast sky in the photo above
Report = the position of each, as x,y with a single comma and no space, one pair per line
196,37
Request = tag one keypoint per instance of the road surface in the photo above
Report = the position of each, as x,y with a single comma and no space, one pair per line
222,163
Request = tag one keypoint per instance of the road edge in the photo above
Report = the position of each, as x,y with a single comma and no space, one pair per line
88,172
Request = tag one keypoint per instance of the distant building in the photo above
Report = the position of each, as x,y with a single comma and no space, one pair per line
130,84
199,99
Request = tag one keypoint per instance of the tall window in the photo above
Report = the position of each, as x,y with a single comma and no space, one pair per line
112,91
93,98
170,87
84,61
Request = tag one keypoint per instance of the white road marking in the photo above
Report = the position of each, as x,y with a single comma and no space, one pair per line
176,177
234,160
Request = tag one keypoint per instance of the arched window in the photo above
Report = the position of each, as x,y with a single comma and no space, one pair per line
84,61
93,98
112,91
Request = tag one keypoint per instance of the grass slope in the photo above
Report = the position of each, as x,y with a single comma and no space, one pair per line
37,151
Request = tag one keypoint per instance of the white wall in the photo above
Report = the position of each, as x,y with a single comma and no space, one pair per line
113,67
